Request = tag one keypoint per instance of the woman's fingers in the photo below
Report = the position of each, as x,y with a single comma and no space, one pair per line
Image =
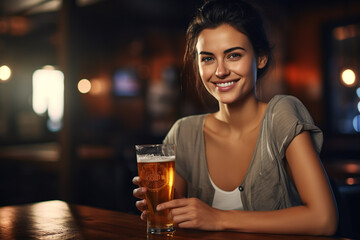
139,192
192,213
182,210
141,205
136,180
181,202
144,215
177,203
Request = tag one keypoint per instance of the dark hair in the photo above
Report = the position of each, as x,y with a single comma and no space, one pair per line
238,14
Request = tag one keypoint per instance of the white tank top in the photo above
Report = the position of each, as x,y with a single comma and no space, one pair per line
226,200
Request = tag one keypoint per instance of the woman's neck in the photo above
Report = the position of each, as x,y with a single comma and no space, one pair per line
241,116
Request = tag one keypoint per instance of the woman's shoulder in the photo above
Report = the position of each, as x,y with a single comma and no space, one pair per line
287,104
185,130
186,126
287,116
284,100
286,112
191,121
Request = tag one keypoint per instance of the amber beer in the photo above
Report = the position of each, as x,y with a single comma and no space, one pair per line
157,171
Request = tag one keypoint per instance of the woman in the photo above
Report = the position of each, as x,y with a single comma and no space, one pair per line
251,166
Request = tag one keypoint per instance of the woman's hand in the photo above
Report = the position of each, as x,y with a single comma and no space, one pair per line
193,213
140,193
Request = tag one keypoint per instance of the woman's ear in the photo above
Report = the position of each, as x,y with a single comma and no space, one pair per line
262,60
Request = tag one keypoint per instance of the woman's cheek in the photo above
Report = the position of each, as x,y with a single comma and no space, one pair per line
205,73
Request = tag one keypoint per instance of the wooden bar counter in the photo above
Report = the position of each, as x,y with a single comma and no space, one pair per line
60,220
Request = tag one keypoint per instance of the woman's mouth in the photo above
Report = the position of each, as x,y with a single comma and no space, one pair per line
225,86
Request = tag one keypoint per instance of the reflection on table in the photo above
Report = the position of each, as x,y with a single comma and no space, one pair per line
60,220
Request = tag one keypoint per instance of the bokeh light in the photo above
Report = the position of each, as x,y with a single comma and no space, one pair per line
356,123
84,86
5,73
348,77
48,95
350,181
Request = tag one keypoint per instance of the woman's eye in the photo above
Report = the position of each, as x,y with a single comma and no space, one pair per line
234,56
206,59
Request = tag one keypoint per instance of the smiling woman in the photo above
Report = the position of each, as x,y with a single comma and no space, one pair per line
254,154
227,61
253,30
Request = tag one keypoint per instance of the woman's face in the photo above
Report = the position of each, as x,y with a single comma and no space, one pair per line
227,63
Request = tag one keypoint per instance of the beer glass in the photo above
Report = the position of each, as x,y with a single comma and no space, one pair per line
156,168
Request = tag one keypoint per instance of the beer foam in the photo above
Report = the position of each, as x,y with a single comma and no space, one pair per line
154,158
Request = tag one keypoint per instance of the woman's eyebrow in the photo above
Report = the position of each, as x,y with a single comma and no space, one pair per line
205,53
234,48
226,51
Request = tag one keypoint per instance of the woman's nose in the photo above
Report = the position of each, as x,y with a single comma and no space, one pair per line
221,70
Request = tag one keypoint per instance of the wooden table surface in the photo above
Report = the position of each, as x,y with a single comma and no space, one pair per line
60,220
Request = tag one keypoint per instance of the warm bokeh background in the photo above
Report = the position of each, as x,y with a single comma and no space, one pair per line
130,52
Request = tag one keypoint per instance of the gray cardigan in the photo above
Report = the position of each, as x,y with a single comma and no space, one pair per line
267,185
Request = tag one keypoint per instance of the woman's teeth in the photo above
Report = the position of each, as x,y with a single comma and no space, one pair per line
225,84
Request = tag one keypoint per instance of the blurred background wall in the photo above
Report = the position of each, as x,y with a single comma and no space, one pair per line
82,82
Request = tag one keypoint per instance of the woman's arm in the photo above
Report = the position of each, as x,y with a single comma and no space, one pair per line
317,215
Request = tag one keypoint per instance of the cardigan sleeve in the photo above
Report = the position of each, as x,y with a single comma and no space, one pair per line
290,118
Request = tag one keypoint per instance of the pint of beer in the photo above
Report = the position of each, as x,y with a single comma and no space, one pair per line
156,168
